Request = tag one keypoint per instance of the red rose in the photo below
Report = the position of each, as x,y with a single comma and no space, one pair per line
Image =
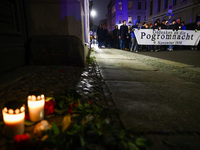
49,103
76,103
27,116
71,106
22,142
50,110
89,102
49,107
70,111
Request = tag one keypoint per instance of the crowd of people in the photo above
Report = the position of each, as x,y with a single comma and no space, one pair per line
124,38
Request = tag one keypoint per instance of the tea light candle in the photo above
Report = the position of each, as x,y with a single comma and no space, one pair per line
36,107
14,121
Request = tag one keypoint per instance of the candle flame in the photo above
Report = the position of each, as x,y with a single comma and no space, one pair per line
38,98
29,97
33,98
42,96
5,109
11,111
22,108
17,111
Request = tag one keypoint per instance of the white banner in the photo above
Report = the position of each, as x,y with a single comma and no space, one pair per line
167,37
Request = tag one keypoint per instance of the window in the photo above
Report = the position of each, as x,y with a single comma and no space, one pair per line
129,19
174,2
120,19
166,4
139,6
145,5
130,5
139,18
113,9
158,5
151,7
120,5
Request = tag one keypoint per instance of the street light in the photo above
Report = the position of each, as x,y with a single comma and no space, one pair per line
93,14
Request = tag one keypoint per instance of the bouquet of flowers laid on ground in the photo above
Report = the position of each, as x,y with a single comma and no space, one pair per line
83,125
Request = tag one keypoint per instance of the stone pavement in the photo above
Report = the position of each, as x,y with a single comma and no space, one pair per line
156,98
16,85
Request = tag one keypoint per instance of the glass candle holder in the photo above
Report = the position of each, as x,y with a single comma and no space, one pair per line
36,107
13,121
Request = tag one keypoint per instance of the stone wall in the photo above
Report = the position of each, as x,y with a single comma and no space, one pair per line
41,32
56,32
12,35
57,50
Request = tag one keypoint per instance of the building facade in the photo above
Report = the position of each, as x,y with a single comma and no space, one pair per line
129,10
43,32
187,10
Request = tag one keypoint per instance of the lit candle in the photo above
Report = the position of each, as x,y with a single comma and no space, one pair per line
14,121
36,107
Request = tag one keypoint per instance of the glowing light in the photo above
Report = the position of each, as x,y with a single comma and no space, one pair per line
36,108
14,121
93,13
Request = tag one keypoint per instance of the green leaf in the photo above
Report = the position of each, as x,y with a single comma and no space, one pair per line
49,98
141,142
28,123
61,104
98,125
122,134
55,129
60,111
132,146
124,144
82,141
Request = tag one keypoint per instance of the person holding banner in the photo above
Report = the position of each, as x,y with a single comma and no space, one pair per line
134,45
123,35
173,27
157,25
197,29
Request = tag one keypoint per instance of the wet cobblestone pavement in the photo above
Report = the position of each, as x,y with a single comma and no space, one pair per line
48,80
56,80
93,87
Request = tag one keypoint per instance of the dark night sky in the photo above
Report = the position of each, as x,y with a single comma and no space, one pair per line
100,6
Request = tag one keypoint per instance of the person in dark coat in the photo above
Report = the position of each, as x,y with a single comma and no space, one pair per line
128,41
100,36
143,25
183,25
157,26
173,27
105,36
134,45
178,24
163,25
116,37
197,28
123,34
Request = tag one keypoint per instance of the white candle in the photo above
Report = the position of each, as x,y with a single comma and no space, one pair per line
14,121
36,107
